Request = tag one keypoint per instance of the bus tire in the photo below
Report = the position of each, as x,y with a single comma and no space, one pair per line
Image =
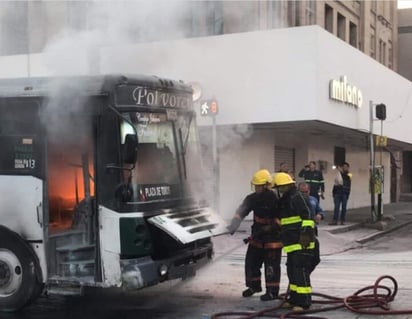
38,290
19,282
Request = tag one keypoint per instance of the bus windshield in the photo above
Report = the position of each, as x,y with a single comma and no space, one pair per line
156,173
163,142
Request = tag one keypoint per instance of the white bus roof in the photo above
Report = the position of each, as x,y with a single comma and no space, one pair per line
86,85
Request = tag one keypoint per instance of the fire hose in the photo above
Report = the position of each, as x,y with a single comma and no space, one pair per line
370,300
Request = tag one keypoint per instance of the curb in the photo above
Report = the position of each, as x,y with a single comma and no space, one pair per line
373,236
340,229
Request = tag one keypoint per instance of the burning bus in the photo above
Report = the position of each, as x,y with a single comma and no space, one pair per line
101,185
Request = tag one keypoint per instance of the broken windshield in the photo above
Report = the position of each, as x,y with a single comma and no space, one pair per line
164,142
155,175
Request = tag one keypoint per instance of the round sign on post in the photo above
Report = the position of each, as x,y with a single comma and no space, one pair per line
197,90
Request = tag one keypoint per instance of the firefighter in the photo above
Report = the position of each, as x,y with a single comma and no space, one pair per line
264,246
298,238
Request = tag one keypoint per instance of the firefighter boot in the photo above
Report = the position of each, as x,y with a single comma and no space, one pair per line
269,295
250,291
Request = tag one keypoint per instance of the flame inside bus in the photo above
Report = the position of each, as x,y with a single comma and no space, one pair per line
66,182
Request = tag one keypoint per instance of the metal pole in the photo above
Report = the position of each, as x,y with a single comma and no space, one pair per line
380,203
372,162
215,166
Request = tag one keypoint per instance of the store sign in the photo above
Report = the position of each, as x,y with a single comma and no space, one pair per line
381,140
341,91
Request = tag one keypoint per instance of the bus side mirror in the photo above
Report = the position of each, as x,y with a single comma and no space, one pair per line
130,149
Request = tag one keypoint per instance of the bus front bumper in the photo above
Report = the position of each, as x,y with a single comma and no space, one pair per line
143,272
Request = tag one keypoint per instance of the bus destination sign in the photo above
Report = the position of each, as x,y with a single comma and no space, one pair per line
149,97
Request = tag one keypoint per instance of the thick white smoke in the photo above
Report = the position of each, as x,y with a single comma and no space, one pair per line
111,24
118,25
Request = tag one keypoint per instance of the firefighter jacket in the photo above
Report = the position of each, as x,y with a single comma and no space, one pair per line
315,181
297,224
266,217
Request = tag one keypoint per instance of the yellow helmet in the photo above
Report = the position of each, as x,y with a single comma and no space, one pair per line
261,177
282,179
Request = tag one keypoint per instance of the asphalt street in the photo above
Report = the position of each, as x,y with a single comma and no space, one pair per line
353,256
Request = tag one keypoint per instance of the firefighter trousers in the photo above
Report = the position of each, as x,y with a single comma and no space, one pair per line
268,254
299,266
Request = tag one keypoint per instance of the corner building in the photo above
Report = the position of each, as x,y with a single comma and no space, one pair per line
276,104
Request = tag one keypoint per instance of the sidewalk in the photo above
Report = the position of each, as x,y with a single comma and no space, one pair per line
357,230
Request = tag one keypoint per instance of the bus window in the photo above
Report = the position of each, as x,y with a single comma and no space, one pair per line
17,117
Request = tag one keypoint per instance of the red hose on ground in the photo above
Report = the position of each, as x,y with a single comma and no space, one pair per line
361,302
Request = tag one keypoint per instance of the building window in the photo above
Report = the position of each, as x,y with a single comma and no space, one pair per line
284,155
328,18
218,17
382,51
353,34
292,13
373,20
373,43
276,14
339,155
373,6
245,19
197,16
77,15
37,26
310,12
14,28
341,27
390,55
206,18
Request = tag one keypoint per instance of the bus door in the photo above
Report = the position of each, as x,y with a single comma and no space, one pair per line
71,197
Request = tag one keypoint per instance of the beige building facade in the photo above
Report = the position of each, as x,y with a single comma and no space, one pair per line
405,42
370,26
405,69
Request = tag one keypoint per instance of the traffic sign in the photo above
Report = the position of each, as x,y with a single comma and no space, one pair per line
209,108
381,140
213,107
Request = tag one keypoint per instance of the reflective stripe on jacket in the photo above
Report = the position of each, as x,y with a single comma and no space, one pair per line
295,217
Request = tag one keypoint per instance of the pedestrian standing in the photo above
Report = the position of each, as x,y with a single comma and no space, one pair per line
284,167
317,214
297,235
264,245
314,178
341,191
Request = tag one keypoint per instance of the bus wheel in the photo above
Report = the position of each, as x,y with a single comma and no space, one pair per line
18,280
